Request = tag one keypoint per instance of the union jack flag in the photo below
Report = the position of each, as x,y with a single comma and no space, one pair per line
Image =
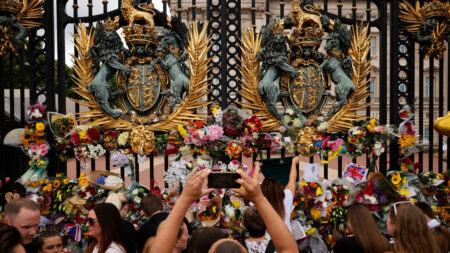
356,172
74,230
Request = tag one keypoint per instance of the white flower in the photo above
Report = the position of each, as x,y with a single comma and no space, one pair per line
137,199
229,211
323,126
135,191
218,116
204,163
287,119
123,138
201,133
290,111
297,122
177,172
113,181
233,165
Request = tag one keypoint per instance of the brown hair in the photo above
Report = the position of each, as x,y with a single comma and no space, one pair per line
112,226
441,236
426,209
13,208
273,191
229,246
9,238
151,203
254,223
411,230
203,238
365,229
44,236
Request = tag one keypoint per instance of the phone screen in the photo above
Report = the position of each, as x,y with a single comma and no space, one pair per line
223,180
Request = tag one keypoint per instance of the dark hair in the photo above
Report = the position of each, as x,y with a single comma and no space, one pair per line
112,226
254,223
203,238
45,235
9,238
274,192
229,246
426,209
13,208
151,203
365,229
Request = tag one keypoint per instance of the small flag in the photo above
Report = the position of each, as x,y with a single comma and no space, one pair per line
74,230
355,172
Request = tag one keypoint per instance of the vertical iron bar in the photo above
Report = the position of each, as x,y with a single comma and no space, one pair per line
421,112
75,7
369,98
49,55
22,87
136,168
194,7
223,54
267,11
253,13
325,5
60,25
166,167
441,113
282,8
179,10
12,114
164,2
431,112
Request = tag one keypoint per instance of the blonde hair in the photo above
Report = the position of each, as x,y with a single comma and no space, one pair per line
411,230
119,199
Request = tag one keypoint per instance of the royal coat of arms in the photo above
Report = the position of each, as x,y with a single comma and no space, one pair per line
155,91
293,72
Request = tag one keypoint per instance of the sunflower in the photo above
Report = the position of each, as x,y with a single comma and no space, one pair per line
58,122
56,183
40,126
63,129
70,120
396,178
40,133
66,181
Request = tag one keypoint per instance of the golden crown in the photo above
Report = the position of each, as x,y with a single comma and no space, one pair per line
140,35
111,24
436,9
11,6
309,36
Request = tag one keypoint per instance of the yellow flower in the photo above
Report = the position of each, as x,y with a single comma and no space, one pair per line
214,209
40,126
319,191
41,182
404,192
371,125
56,183
303,183
315,214
236,203
49,187
311,231
396,178
82,134
58,175
35,184
83,182
182,130
66,181
47,181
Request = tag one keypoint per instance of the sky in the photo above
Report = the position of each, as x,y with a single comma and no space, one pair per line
83,11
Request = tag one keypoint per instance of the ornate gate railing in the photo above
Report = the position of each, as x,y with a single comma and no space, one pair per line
401,75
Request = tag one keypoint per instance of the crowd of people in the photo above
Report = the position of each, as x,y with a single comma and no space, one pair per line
411,227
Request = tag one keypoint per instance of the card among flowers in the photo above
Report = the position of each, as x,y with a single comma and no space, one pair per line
355,172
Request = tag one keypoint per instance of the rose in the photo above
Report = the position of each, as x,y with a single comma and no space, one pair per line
94,134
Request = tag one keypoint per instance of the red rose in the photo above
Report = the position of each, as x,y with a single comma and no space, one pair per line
94,134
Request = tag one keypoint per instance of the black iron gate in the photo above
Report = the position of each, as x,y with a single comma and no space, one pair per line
35,74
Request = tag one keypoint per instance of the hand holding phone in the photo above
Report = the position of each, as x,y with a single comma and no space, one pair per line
223,180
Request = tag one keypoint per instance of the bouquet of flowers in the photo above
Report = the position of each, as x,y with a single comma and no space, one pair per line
64,149
110,140
35,112
312,190
215,115
196,134
233,149
210,214
37,129
342,192
28,139
339,218
122,140
292,118
355,141
178,171
79,137
62,126
232,123
365,193
37,151
430,177
396,179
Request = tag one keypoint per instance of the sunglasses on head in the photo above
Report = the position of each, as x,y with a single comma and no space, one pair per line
399,203
91,221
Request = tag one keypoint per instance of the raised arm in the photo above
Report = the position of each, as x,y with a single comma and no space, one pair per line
281,236
166,238
293,175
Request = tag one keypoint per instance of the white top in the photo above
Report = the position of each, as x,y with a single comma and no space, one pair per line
113,248
288,202
257,246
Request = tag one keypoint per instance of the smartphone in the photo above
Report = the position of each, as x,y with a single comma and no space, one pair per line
223,180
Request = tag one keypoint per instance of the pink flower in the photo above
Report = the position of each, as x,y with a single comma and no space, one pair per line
235,162
215,132
337,143
43,147
34,148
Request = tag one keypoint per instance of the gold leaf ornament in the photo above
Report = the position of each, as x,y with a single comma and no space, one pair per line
305,141
142,140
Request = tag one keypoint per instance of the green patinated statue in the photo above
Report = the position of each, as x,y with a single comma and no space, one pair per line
273,55
16,30
172,58
107,50
424,35
339,64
